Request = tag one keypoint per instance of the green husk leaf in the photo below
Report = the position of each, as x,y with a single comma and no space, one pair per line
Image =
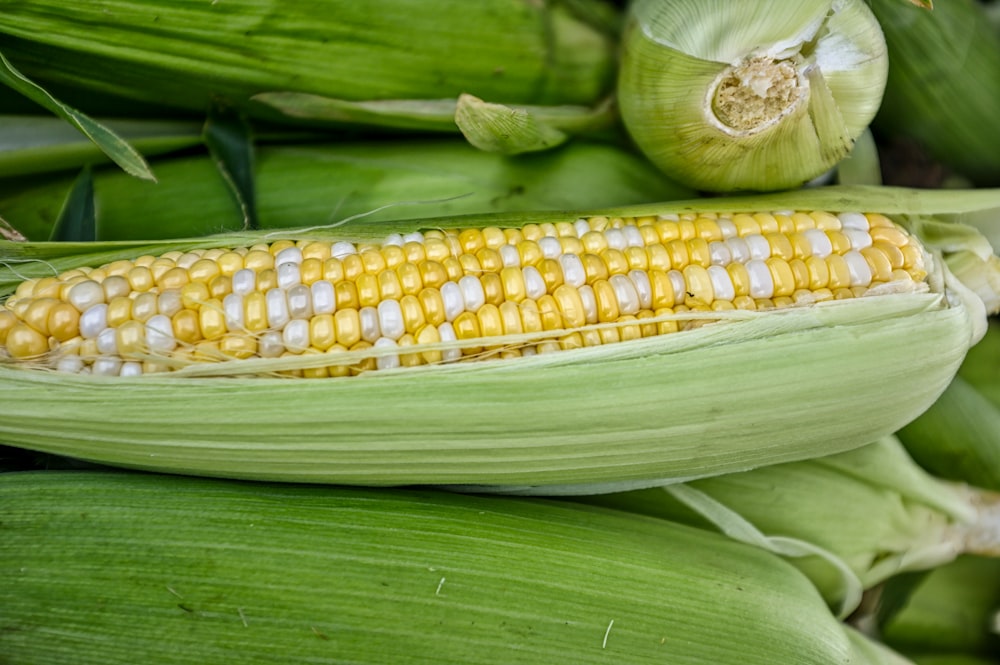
116,148
862,166
76,221
42,144
200,571
502,129
231,145
321,184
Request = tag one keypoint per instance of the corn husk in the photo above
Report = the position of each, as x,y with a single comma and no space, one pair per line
319,184
959,436
188,56
951,610
119,568
849,521
571,422
943,89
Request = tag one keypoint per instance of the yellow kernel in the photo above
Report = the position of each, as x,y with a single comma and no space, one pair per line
768,224
594,267
489,259
203,270
492,287
819,273
840,274
220,286
258,260
677,252
571,245
345,294
429,334
510,318
23,341
740,278
409,278
637,257
570,306
194,294
662,289
353,266
311,271
119,311
255,311
453,267
367,288
389,286
212,320
531,316
745,225
471,240
615,260
800,273
432,273
512,281
548,310
890,234
36,314
47,287
238,345
435,249
879,263
413,313
530,252
781,246
173,278
490,321
347,325
63,323
470,264
185,325
782,276
551,272
414,252
333,270
699,285
144,306
841,243
466,326
659,257
607,302
130,338
699,253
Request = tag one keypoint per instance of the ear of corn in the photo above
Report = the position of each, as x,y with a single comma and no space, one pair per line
323,184
122,568
871,508
506,51
942,100
958,437
541,420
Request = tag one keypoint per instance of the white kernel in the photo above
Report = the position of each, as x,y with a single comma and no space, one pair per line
169,302
387,361
738,249
633,237
625,293
394,240
472,293
295,335
615,239
107,342
722,283
232,308
853,220
573,271
454,304
324,300
858,239
861,272
277,308
761,282
70,364
640,279
447,333
415,236
106,366
130,368
581,226
819,242
510,257
719,253
759,247
534,283
390,319
84,295
300,302
679,285
727,228
270,344
551,247
160,334
244,281
342,248
368,317
187,260
289,274
288,255
94,320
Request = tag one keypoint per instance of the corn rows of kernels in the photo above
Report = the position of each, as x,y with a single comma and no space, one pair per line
290,298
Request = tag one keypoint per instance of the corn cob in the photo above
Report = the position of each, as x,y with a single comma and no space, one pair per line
318,184
197,571
523,296
188,55
872,510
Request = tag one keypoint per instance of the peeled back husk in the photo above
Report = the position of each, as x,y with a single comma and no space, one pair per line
122,568
759,95
668,407
320,184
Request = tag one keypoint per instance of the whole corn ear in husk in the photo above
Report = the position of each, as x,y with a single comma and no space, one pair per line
871,509
324,183
758,95
180,570
943,89
188,55
959,436
501,367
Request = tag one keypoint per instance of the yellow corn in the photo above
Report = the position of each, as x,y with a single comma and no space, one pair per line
491,292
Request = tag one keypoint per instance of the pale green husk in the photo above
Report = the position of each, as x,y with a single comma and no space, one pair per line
759,388
123,568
